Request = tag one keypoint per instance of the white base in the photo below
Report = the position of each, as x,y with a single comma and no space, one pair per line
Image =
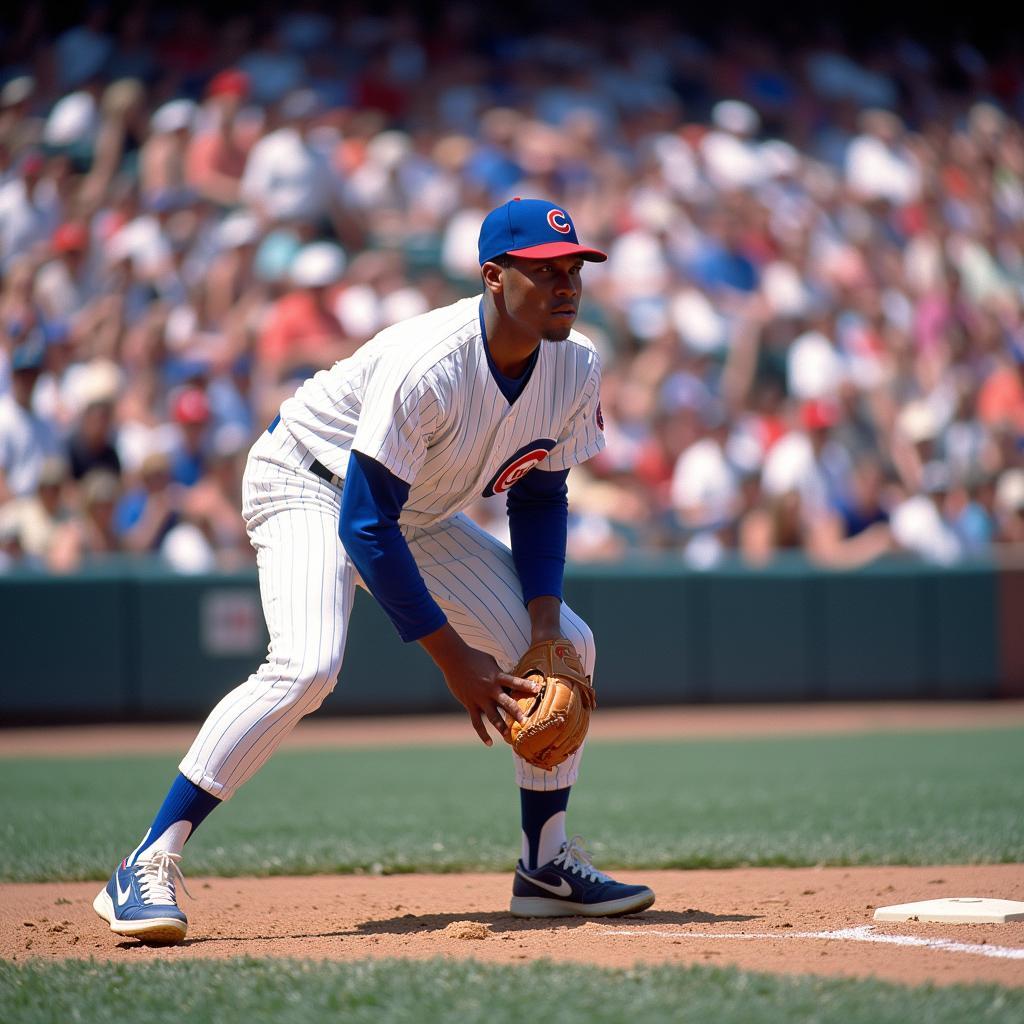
955,910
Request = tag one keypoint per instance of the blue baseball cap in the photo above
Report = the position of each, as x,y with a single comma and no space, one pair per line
534,229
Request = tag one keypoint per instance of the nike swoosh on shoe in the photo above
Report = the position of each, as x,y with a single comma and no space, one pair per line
122,894
562,889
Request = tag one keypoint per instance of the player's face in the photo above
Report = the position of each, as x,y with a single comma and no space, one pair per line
543,296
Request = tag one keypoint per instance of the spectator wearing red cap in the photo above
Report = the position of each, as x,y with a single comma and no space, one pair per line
1001,398
808,460
66,284
190,409
212,504
18,311
231,83
29,212
215,158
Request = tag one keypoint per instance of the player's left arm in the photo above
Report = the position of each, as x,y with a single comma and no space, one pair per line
538,510
368,526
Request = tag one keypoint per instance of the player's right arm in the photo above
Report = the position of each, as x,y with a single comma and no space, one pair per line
371,505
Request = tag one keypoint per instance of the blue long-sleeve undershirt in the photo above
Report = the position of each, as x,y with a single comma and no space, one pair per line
538,512
371,505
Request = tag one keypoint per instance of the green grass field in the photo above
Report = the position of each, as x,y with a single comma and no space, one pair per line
942,797
923,798
382,992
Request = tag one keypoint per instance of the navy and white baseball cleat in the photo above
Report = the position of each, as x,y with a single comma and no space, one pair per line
140,899
570,885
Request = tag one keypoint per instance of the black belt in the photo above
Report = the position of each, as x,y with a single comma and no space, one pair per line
316,466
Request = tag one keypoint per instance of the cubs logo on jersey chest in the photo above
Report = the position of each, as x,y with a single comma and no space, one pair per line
517,465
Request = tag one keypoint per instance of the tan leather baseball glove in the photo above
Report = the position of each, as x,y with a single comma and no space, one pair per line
558,717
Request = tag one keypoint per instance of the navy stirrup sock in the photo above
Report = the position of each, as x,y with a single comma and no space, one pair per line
185,806
540,808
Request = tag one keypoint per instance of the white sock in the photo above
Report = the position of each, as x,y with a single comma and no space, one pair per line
552,838
172,839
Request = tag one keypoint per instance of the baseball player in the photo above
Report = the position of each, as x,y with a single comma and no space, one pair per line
362,479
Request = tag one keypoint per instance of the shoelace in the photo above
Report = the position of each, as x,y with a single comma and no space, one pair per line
157,875
574,858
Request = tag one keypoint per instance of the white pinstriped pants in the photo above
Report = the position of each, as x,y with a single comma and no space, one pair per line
307,584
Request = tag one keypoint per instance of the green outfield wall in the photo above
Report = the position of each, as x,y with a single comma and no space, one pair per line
133,641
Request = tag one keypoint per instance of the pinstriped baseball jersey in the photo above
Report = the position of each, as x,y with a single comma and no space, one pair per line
307,581
420,399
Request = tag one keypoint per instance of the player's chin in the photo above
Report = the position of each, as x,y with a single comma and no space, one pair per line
559,327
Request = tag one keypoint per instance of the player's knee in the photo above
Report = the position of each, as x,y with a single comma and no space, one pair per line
306,684
317,685
583,637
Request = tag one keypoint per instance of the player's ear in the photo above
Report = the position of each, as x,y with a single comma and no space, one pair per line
491,274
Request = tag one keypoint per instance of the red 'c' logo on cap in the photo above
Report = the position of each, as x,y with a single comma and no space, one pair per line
559,222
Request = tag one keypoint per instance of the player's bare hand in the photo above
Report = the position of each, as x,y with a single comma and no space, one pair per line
482,689
479,685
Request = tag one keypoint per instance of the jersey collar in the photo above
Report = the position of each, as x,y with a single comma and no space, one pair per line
510,387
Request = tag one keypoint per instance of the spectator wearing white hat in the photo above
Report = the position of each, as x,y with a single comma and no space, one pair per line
162,160
730,150
92,444
289,179
231,283
1009,501
301,333
26,440
879,164
73,123
38,516
19,129
920,524
119,138
145,241
705,485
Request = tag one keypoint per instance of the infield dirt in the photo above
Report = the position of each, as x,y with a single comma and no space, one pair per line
753,918
420,916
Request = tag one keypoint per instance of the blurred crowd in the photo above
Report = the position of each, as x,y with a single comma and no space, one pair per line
810,320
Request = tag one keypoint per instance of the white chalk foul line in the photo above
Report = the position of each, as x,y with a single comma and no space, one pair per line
862,933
